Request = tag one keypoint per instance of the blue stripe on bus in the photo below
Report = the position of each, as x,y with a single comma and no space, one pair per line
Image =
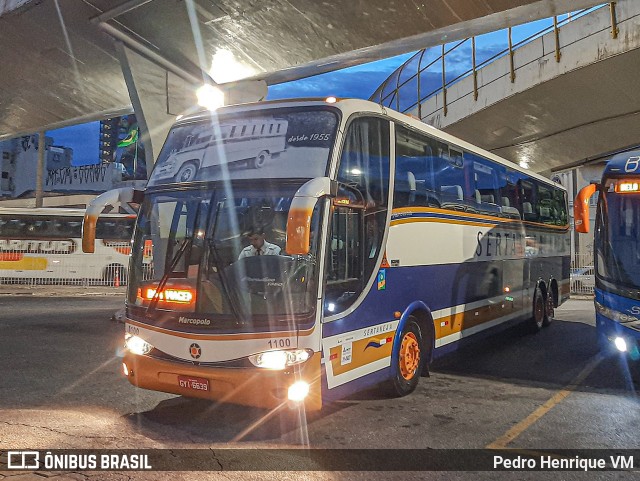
438,286
441,215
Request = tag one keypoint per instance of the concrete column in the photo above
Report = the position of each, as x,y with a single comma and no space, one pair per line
158,96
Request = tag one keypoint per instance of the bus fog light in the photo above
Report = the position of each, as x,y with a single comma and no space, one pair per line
298,391
278,360
125,369
137,345
621,344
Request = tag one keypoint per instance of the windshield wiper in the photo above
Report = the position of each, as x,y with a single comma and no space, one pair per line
172,265
186,241
213,250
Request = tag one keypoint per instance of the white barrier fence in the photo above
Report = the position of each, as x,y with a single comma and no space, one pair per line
582,274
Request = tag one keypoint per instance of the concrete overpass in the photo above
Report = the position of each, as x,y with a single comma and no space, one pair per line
557,111
69,61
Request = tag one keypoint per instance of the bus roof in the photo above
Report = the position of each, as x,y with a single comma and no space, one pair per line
618,163
349,106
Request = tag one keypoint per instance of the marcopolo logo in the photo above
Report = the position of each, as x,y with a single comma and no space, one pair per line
194,321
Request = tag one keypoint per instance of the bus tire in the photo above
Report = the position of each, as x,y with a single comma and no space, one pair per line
407,365
259,160
549,310
537,318
187,172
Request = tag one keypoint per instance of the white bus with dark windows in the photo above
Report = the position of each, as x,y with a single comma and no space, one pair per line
44,246
396,243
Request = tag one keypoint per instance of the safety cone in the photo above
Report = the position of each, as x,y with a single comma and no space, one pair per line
116,278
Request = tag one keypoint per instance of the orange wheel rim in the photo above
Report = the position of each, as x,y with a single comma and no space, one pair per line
409,355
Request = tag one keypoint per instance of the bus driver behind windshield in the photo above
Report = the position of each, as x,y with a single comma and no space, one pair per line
258,246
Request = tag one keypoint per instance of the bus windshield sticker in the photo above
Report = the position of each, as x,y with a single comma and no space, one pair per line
280,143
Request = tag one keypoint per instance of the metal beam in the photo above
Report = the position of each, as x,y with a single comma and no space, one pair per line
146,52
119,10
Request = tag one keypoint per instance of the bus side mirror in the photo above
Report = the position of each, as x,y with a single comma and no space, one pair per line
581,208
95,208
302,205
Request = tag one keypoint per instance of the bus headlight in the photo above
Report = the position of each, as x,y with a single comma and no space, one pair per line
298,391
621,344
278,360
137,345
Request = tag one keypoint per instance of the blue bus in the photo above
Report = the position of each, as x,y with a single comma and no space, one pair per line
616,252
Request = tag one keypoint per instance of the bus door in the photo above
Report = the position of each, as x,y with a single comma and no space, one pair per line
354,318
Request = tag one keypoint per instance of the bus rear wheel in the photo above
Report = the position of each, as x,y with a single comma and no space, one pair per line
537,319
408,364
259,160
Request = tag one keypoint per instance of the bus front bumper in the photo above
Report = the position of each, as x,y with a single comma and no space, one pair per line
254,387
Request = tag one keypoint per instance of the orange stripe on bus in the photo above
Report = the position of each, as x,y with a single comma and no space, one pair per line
11,256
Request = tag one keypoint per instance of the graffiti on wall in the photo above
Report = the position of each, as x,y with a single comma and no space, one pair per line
85,177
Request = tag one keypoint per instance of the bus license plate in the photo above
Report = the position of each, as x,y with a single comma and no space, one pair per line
195,383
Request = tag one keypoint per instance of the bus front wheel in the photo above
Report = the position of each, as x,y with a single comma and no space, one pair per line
408,363
260,160
187,172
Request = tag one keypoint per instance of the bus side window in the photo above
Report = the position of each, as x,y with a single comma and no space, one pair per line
344,270
545,208
415,182
528,191
509,194
560,205
404,190
485,182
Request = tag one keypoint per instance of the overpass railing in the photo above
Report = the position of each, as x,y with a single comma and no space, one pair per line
428,73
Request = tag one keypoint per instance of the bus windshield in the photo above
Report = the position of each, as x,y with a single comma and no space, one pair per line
618,237
282,143
220,253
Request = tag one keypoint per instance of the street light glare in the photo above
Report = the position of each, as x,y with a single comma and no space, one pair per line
225,67
210,97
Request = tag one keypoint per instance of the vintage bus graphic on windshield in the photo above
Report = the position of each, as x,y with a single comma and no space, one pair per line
253,141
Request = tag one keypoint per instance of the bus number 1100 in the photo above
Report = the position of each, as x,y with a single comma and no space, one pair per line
279,343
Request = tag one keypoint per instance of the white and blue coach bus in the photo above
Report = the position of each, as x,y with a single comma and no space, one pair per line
396,242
